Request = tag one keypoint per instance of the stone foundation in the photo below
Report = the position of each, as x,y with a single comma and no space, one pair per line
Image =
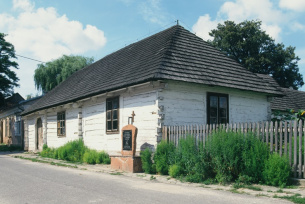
127,163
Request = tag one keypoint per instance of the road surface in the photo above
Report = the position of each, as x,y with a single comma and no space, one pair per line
26,182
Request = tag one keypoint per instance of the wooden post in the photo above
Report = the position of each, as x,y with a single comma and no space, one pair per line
295,138
267,131
271,136
276,137
281,138
285,138
300,148
290,142
263,131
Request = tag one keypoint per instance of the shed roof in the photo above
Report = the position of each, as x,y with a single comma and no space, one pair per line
173,54
293,99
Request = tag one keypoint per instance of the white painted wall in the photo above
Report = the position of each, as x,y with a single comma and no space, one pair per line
185,103
142,101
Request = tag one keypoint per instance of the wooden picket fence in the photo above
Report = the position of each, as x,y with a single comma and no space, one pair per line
285,138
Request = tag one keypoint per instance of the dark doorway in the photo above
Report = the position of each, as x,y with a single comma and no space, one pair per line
39,134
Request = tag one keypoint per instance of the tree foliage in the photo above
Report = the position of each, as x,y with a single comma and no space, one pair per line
48,76
257,51
8,78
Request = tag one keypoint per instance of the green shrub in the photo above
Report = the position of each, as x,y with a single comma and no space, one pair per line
277,171
174,170
91,157
234,154
95,157
192,160
72,151
255,154
76,151
147,164
47,152
164,157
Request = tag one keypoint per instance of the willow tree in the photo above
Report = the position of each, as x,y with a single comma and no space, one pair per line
8,78
248,44
47,76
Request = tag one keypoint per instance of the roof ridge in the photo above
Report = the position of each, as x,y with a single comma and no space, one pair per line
167,48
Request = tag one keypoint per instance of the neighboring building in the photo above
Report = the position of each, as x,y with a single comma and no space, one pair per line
11,123
170,78
292,99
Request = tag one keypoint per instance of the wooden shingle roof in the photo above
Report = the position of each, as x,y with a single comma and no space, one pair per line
173,54
293,99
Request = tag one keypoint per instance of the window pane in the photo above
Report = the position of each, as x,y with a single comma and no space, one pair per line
115,114
109,105
108,115
213,112
115,125
214,101
213,120
223,102
109,125
115,103
223,112
223,120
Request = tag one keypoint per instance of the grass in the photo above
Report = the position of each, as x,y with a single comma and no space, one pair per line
11,148
46,162
152,178
296,198
116,173
251,187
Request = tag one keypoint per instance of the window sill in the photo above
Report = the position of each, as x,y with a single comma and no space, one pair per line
112,133
61,135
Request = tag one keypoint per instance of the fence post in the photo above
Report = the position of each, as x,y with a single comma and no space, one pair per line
267,131
285,137
281,138
304,150
300,148
295,131
276,136
290,142
271,136
263,131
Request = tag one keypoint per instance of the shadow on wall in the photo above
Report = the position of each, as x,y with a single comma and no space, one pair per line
147,145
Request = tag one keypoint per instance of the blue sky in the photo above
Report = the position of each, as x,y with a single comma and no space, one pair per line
47,29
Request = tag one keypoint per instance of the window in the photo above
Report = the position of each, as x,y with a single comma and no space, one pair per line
61,124
112,114
217,108
18,126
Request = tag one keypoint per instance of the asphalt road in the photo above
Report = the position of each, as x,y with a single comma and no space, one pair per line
26,182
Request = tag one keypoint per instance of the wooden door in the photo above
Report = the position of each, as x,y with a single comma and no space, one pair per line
39,135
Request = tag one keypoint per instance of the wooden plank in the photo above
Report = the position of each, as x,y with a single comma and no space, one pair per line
267,133
285,138
281,138
300,149
276,136
184,133
304,150
169,134
263,131
295,135
271,136
290,143
258,130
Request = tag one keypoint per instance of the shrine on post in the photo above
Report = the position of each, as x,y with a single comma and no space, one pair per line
128,161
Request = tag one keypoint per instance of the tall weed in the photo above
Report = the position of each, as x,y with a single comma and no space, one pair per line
164,157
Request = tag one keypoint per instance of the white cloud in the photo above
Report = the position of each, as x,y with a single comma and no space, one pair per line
45,35
204,25
152,11
240,10
295,5
23,5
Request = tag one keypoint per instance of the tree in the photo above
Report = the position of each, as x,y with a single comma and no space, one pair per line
257,51
48,76
8,78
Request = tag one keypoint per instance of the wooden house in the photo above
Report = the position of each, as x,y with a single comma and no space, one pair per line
170,78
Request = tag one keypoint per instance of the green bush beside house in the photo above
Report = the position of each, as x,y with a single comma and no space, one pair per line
226,157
